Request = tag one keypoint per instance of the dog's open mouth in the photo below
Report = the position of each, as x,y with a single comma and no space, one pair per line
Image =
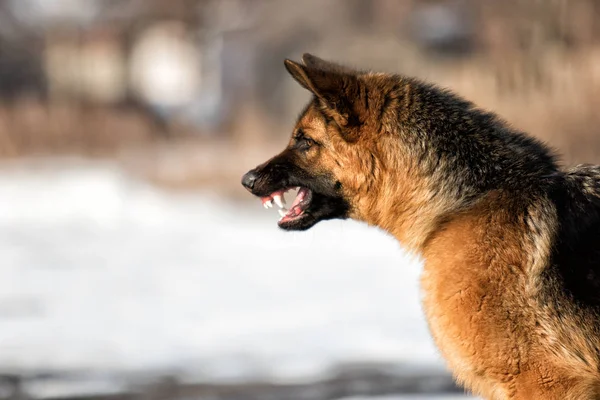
297,209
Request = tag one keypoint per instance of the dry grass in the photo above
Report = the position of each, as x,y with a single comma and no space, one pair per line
30,127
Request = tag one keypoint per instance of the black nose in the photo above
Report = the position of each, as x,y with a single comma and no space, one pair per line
249,179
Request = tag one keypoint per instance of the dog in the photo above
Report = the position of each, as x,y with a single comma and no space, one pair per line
510,240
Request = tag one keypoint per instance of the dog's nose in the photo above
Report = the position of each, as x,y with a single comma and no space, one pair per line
249,179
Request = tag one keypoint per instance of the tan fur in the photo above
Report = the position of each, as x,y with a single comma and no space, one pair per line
478,316
483,261
475,306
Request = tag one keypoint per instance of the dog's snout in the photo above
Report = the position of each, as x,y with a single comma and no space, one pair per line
249,179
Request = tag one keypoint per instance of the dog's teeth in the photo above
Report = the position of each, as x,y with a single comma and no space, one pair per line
279,201
265,205
268,204
281,212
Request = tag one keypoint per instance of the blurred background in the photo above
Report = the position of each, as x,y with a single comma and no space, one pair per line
133,264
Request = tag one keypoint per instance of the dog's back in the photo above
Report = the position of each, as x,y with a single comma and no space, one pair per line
576,258
570,297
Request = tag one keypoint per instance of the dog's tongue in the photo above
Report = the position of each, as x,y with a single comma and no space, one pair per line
296,207
299,197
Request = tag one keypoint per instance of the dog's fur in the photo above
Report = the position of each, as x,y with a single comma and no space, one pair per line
510,241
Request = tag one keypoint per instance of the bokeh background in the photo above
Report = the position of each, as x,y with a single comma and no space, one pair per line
133,264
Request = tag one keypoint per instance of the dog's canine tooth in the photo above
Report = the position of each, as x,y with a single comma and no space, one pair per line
278,200
268,204
281,212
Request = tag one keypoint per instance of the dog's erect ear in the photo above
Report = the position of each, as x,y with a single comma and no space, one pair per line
300,73
336,87
316,62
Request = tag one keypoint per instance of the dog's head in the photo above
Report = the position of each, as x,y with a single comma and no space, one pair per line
324,158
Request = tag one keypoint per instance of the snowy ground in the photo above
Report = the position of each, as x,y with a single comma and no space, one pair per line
104,274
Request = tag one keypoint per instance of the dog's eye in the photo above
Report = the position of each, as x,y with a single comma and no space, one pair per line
309,142
304,143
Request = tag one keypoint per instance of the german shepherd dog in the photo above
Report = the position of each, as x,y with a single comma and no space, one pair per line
510,241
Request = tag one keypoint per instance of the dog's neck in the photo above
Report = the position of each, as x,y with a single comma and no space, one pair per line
410,212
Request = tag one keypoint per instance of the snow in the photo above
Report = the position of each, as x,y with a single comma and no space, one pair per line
99,272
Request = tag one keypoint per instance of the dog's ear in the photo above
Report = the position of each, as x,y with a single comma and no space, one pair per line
316,62
300,73
336,88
